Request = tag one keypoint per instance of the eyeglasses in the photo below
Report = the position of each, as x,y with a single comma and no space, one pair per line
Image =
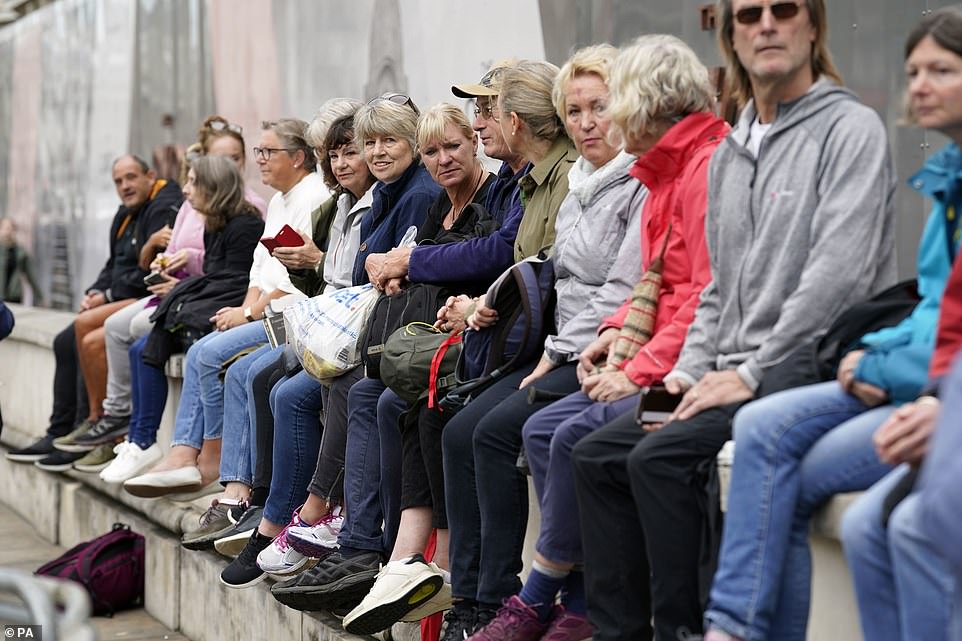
398,99
780,11
266,152
221,125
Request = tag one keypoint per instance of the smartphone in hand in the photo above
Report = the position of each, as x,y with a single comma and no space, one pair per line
286,237
154,278
656,405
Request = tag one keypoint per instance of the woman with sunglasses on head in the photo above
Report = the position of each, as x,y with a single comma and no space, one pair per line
286,163
795,449
182,258
385,129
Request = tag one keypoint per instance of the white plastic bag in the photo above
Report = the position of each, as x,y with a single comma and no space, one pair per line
325,331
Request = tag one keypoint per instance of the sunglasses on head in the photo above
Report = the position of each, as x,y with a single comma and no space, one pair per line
221,125
398,99
780,11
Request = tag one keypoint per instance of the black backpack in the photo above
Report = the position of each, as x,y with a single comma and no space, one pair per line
417,303
524,298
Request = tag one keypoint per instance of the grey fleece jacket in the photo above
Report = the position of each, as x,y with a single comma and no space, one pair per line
795,236
597,251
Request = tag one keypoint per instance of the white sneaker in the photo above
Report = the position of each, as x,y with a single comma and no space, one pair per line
317,540
130,462
401,587
279,558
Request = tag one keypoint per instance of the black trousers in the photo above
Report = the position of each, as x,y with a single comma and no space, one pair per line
642,502
70,405
263,418
487,495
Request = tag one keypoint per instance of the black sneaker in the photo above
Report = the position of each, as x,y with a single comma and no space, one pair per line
59,461
243,571
333,584
459,622
106,430
34,452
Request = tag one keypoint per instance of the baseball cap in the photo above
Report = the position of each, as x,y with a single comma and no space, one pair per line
490,84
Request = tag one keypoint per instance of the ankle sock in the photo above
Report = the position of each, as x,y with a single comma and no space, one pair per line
259,496
573,593
542,586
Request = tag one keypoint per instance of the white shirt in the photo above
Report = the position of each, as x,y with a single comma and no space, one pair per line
345,240
293,208
756,134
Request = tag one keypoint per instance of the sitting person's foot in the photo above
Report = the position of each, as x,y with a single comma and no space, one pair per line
400,587
243,572
217,521
163,482
279,558
336,582
567,626
107,429
458,622
515,621
179,456
37,450
68,443
59,461
233,540
132,460
317,540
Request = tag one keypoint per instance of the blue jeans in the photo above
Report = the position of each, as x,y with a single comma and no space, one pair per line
549,436
903,587
372,468
238,445
793,451
148,388
297,438
200,415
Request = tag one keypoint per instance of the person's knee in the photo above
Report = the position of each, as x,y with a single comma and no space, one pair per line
65,342
903,524
752,422
92,342
456,440
116,325
584,454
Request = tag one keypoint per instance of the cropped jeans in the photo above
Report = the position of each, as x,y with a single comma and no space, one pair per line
238,445
793,451
200,415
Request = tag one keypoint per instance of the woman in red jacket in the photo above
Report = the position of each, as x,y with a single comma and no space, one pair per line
661,101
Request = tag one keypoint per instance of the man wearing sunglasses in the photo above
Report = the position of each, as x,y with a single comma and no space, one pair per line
800,227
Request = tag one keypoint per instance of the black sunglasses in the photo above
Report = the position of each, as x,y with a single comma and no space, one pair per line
780,11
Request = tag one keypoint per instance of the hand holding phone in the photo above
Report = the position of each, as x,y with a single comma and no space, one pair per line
154,278
655,405
286,237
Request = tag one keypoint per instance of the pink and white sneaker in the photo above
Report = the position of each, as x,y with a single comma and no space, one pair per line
317,540
279,558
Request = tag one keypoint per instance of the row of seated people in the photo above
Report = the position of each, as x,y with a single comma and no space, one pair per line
616,167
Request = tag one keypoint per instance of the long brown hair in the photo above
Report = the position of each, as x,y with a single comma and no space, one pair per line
220,183
738,78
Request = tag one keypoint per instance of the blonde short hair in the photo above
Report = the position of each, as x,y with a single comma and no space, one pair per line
434,121
386,118
595,59
656,78
330,111
526,90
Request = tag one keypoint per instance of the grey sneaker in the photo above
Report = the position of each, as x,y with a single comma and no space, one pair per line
68,443
107,429
215,523
96,459
234,540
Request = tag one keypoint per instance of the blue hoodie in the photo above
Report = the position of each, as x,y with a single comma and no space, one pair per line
897,359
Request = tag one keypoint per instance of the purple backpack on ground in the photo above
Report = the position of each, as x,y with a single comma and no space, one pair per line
110,567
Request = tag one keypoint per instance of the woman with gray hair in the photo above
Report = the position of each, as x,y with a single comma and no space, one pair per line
287,164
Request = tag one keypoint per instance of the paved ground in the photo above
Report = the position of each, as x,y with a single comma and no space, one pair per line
22,549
